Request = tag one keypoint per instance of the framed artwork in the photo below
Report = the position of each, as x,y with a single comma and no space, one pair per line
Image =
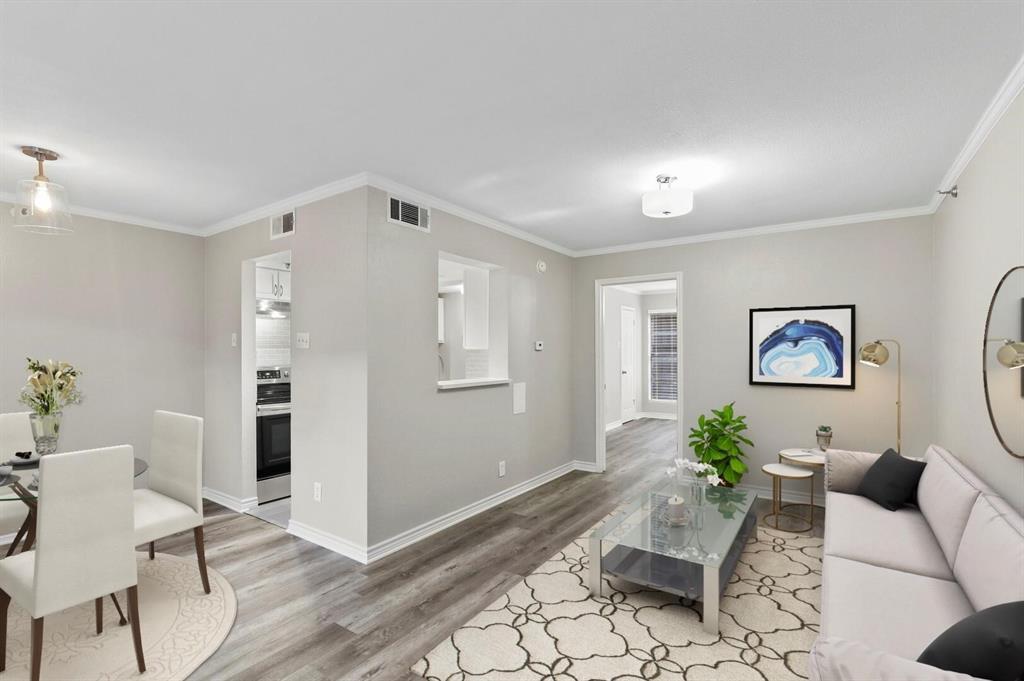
810,347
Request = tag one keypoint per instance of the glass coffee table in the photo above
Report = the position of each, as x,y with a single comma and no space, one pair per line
694,560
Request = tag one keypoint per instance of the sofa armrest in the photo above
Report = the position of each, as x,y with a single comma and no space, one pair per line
838,659
844,469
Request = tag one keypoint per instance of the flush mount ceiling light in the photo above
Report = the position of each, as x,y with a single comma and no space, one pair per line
42,206
666,202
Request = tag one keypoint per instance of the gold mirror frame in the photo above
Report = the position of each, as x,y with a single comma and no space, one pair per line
984,355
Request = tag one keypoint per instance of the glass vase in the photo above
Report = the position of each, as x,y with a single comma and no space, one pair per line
45,431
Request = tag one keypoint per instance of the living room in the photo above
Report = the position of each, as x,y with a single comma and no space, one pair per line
832,193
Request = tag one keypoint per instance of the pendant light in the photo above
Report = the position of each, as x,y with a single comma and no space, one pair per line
666,202
42,206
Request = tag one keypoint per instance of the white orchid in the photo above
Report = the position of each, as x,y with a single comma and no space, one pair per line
704,471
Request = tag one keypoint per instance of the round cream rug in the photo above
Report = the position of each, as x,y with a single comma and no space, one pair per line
181,628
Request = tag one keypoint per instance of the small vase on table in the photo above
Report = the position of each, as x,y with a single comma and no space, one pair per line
46,431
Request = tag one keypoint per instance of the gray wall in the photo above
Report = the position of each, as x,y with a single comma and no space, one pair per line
882,267
614,300
434,452
122,303
653,301
978,237
329,379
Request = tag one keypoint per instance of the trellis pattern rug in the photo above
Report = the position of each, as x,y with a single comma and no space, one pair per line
549,627
181,627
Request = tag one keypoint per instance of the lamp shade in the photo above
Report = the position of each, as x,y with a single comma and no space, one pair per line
873,354
42,208
1011,354
667,202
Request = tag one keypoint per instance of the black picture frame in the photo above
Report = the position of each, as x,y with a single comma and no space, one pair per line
850,347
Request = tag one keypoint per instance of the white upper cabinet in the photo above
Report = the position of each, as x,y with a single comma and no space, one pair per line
274,284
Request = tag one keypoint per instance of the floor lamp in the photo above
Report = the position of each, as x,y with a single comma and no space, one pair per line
875,354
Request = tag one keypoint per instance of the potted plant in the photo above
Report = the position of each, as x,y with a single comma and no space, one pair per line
824,435
716,440
49,388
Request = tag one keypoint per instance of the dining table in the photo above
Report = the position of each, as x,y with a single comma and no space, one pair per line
20,487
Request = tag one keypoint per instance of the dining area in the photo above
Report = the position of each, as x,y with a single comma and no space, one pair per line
78,600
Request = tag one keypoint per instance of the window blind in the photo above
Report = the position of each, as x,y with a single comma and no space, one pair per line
664,378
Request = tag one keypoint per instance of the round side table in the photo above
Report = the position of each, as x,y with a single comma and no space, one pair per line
784,471
814,459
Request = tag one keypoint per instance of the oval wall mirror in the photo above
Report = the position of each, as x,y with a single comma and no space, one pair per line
1002,365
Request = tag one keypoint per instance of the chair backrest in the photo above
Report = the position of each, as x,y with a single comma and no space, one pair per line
15,434
176,458
85,527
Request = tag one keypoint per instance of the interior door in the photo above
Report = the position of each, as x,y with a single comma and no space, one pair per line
628,363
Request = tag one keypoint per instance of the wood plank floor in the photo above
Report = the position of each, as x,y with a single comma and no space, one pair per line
307,613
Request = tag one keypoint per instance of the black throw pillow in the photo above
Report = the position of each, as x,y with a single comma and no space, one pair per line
987,645
891,482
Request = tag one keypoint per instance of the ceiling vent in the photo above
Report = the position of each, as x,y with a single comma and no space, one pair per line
282,225
408,214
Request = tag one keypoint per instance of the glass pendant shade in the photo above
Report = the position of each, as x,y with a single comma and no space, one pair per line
667,203
42,208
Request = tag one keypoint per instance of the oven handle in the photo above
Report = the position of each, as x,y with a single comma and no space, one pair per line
272,409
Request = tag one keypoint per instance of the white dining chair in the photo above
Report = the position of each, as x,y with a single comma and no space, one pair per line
83,545
174,500
15,436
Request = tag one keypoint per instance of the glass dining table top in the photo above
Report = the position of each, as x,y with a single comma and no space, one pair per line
706,540
24,474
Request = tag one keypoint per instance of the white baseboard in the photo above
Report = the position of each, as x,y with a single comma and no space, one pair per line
585,466
613,425
411,536
656,415
236,504
788,495
328,541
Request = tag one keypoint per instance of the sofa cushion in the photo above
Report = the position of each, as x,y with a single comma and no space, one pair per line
836,659
854,526
990,561
988,644
845,469
945,494
891,482
893,611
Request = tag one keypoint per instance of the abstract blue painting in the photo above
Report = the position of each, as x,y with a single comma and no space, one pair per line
806,346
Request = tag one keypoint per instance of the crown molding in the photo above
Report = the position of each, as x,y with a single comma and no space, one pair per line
997,108
8,197
289,203
759,231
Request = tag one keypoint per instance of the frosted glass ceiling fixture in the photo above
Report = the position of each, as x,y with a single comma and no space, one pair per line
666,202
42,206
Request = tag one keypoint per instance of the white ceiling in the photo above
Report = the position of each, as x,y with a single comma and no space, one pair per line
550,117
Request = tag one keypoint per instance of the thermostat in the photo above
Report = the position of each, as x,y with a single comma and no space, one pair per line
538,346
542,266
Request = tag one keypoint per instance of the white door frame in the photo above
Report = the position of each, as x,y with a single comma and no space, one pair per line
599,377
634,364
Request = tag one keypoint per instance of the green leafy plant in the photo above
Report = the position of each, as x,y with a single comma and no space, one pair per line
824,429
716,440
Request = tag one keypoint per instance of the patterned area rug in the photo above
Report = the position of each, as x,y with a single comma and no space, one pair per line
549,627
181,627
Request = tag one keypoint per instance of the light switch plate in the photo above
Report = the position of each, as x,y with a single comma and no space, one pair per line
302,340
538,345
234,340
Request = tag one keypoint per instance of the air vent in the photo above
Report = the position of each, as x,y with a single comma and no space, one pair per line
408,214
282,225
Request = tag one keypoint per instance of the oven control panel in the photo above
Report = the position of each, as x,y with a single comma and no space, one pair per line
273,374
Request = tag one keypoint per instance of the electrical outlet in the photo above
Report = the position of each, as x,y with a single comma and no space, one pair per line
501,469
234,340
318,492
302,340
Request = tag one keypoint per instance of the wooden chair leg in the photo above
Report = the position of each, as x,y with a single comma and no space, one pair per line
120,612
152,550
133,613
37,647
30,537
99,615
5,601
201,555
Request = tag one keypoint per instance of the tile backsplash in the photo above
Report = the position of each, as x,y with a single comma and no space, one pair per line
273,342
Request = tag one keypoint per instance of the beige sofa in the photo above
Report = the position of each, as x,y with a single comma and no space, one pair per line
892,581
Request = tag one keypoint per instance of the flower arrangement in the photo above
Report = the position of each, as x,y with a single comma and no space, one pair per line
50,387
703,471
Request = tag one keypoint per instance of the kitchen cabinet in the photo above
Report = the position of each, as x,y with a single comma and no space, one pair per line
273,284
